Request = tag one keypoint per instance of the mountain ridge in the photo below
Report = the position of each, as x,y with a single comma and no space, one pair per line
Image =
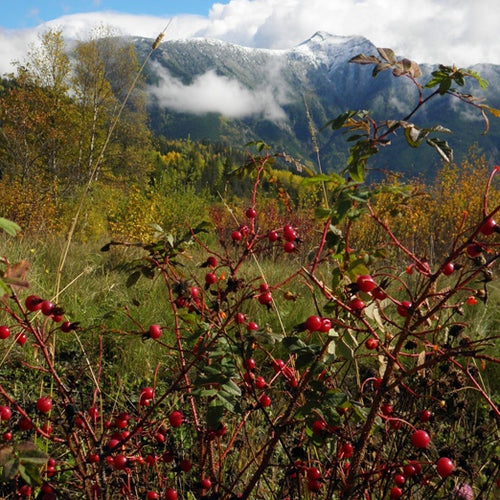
279,94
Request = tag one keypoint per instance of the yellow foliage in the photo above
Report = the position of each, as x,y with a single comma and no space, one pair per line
429,220
32,205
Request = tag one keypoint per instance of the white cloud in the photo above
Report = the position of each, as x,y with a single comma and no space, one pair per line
210,92
463,32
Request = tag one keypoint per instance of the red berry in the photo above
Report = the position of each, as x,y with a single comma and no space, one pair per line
318,427
314,485
252,326
250,364
239,318
21,338
379,293
448,268
273,236
260,382
155,331
44,404
66,327
206,484
365,283
93,412
185,465
289,247
346,450
93,458
120,462
313,473
4,332
171,494
420,439
396,492
251,213
444,467
409,470
236,236
265,298
399,479
326,325
289,233
147,393
387,409
7,436
371,343
152,495
488,227
265,401
263,287
176,418
47,307
5,413
313,323
211,262
195,292
33,303
357,305
474,250
278,365
471,300
25,424
425,415
404,308
377,383
210,278
25,490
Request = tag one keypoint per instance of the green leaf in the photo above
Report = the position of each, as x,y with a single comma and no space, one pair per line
340,121
316,179
231,388
215,414
133,278
9,227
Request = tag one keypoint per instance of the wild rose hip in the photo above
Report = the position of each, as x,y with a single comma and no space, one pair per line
365,283
44,404
176,418
420,439
445,467
313,323
155,331
4,332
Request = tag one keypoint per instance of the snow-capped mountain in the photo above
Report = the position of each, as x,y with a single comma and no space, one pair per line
209,89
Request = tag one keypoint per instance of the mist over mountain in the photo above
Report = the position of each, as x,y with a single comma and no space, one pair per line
207,89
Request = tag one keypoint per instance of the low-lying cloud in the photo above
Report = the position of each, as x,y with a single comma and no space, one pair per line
213,93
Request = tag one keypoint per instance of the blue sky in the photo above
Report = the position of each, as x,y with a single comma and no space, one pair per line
30,13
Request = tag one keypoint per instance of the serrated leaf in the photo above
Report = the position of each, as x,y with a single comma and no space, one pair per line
9,227
231,388
388,55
